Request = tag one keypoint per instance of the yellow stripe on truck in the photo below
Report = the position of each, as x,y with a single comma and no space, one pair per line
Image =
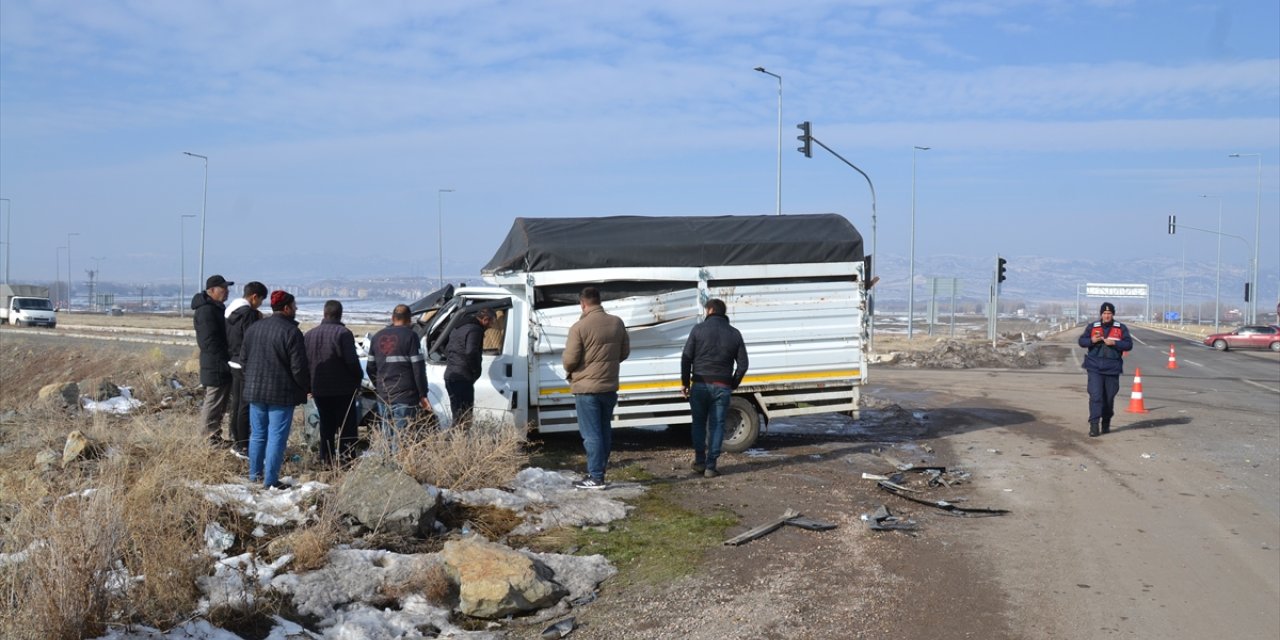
756,379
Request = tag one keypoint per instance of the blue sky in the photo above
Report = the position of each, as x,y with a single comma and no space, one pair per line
1058,128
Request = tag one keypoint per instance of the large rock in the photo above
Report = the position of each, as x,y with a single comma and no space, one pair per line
99,389
384,498
61,394
79,446
495,581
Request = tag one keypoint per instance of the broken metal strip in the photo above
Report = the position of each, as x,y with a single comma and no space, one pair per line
762,530
946,507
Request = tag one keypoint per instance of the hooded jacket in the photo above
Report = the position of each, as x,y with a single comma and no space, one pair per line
211,336
240,315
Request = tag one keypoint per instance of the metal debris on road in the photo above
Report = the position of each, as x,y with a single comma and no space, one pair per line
810,524
946,507
789,517
762,530
882,520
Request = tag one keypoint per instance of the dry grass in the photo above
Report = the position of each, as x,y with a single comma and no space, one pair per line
94,523
464,458
27,368
432,581
91,525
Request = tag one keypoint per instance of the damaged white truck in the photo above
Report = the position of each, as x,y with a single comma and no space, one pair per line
794,286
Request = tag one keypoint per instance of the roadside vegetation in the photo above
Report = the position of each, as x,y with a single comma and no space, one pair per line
116,535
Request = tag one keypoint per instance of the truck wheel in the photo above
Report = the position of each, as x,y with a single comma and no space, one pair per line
741,426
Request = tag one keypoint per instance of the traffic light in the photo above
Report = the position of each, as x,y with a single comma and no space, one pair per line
806,139
1246,292
1173,225
1000,263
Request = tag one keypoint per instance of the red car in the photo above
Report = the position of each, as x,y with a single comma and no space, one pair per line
1250,337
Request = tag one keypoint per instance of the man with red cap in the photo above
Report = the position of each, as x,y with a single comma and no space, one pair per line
276,380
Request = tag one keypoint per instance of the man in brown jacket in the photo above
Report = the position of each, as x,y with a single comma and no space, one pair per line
596,346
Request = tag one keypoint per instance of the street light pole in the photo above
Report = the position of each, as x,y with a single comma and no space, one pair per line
770,73
911,271
69,272
57,278
1257,239
8,240
182,261
203,206
440,230
1217,285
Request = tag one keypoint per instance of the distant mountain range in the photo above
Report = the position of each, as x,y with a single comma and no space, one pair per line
1031,279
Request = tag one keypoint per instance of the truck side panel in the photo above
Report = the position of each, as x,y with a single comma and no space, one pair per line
804,339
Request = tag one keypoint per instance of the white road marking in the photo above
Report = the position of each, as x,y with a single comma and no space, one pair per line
1182,361
1260,385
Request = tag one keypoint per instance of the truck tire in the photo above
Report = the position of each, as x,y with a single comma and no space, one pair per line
741,426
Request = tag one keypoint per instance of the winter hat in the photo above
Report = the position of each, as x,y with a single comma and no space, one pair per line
1107,306
280,299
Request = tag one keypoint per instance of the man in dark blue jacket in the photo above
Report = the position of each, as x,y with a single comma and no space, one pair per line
1106,341
277,378
399,374
708,362
463,358
335,379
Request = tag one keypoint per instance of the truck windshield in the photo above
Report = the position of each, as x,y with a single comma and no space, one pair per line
32,304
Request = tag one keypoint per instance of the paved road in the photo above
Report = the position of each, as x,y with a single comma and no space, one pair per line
1169,527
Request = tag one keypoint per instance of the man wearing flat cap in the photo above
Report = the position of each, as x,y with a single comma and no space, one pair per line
208,314
1106,341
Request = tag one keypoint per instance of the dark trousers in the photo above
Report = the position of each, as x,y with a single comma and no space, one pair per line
1102,397
337,418
239,410
462,397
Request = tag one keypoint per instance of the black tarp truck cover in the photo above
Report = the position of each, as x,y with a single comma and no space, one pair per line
555,244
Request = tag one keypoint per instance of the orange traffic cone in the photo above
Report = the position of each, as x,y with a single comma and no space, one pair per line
1135,398
1173,358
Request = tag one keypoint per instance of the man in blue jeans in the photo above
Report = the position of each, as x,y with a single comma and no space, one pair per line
593,353
714,361
277,378
398,371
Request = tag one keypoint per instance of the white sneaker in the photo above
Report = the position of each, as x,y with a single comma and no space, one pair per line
589,484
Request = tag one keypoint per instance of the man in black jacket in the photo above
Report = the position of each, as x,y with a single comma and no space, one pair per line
215,373
335,378
463,357
399,374
276,379
240,314
708,362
